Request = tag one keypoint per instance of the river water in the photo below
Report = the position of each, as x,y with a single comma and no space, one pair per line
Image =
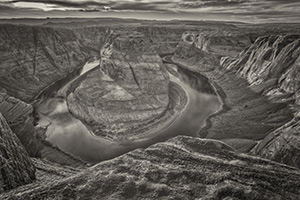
70,135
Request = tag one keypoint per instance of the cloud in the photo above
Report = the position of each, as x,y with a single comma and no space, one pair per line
249,9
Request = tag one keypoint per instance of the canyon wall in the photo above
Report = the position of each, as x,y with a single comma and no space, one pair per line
34,57
271,65
247,116
161,38
272,62
19,117
15,164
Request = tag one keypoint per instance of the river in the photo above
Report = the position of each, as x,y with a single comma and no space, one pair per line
70,135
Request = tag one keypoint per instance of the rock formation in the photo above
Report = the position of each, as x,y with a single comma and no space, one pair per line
15,165
181,168
271,62
271,65
129,90
247,116
19,116
33,57
163,39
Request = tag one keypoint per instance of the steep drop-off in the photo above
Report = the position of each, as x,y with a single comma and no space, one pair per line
19,116
271,65
181,168
34,57
247,116
16,167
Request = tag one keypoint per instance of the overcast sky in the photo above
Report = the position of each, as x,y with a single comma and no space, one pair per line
232,10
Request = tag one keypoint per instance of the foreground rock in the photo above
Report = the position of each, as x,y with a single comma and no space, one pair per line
15,164
181,168
282,145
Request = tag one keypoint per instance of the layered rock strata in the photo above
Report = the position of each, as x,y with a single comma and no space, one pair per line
130,88
181,168
271,62
247,116
16,167
271,65
34,57
161,38
19,116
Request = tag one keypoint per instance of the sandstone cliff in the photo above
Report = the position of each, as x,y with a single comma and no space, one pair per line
15,165
271,62
271,65
32,58
19,116
181,168
247,116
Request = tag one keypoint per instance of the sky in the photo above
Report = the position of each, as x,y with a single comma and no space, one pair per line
254,11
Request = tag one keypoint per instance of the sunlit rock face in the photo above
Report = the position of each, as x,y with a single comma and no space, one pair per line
16,166
32,58
129,89
271,61
181,168
271,65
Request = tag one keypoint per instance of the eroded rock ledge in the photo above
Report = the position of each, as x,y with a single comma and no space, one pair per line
181,168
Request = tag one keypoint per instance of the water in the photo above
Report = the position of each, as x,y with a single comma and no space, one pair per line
70,135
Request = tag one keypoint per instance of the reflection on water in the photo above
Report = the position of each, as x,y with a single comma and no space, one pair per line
70,135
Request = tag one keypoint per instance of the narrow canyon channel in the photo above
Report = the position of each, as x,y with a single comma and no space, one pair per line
72,136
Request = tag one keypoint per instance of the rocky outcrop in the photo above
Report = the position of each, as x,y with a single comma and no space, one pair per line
181,168
13,109
19,117
223,43
247,116
271,65
16,167
282,145
271,62
131,87
33,57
